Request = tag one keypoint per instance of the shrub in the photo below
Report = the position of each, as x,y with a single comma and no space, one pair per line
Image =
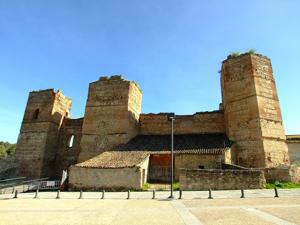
6,149
251,51
234,55
283,185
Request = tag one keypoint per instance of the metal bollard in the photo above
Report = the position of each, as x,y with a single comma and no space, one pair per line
276,193
242,193
80,194
153,194
36,193
128,194
58,193
180,194
16,194
210,194
103,193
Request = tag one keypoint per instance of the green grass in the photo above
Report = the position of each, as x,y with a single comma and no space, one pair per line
146,186
283,185
176,186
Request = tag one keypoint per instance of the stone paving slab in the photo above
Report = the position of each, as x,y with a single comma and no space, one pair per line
287,213
46,210
228,216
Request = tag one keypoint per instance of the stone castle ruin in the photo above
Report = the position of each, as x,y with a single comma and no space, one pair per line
114,145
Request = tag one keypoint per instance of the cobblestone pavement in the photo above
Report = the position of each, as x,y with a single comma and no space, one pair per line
259,207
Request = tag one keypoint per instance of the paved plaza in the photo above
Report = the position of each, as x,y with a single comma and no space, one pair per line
259,207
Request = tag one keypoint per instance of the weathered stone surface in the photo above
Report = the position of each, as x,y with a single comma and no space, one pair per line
294,152
98,179
111,115
196,161
252,112
221,179
37,144
284,173
206,122
8,168
68,155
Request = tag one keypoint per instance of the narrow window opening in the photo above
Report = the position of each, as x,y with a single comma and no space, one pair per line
201,167
36,114
71,141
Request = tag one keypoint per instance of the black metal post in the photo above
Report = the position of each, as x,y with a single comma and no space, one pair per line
58,194
242,193
172,156
180,194
16,194
210,194
36,193
128,194
153,194
80,194
276,193
103,193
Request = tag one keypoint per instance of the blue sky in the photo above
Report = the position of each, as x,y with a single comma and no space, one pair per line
172,48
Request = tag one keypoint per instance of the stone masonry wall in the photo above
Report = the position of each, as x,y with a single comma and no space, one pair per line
111,115
116,179
252,112
221,179
285,173
193,161
37,143
204,122
66,155
294,152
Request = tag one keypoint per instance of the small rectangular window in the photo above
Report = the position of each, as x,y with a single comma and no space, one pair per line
71,141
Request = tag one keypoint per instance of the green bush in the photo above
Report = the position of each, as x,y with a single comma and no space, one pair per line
6,149
283,185
146,186
234,54
251,51
176,186
3,153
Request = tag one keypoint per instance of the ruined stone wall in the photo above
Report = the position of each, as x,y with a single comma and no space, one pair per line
204,122
68,152
38,138
252,112
195,161
294,152
221,179
284,173
111,115
115,179
8,168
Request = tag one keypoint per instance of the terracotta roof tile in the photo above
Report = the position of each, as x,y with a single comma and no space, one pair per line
115,159
293,138
215,143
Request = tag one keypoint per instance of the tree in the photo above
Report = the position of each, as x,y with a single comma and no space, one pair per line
3,153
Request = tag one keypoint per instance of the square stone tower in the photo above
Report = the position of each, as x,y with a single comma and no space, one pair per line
252,112
111,115
38,138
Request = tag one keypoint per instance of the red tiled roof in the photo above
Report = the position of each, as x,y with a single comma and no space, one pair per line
115,159
215,143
